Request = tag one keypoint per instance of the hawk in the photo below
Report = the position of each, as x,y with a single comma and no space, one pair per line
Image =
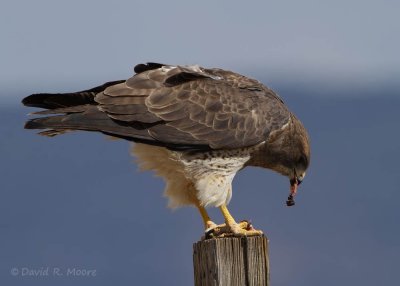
195,127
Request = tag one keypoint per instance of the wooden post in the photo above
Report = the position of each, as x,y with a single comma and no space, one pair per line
231,261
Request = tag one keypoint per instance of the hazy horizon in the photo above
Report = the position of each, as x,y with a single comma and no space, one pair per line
51,45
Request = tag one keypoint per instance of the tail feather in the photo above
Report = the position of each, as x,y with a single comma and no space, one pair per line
90,120
79,111
71,109
61,100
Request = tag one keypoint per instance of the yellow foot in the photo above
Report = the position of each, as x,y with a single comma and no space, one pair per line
249,231
210,225
243,228
223,228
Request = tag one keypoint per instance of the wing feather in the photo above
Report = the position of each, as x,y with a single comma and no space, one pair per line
192,106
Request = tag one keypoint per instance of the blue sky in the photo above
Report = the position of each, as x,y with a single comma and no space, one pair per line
58,44
78,200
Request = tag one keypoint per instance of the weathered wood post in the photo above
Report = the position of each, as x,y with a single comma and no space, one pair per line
231,261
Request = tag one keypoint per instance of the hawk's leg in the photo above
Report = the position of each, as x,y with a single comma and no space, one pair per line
229,228
208,223
238,229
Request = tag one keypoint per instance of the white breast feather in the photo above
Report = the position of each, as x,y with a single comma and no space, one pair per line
213,178
193,180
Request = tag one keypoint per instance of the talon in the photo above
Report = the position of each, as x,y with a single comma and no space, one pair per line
246,225
229,228
208,234
243,228
210,224
249,231
216,231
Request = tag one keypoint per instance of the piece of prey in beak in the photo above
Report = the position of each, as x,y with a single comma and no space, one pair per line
293,189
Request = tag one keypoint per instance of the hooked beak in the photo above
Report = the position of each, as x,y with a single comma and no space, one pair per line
299,181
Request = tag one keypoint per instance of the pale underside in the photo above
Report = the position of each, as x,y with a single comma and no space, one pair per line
204,179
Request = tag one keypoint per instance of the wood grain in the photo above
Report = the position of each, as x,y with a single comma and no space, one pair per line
241,261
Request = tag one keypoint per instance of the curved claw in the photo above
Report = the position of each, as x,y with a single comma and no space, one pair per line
243,228
237,231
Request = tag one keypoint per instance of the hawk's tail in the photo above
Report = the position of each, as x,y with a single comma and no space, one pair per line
83,117
72,111
86,118
60,100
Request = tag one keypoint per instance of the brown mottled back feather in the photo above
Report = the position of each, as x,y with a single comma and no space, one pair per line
179,106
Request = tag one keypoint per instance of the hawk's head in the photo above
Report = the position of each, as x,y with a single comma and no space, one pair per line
296,174
299,154
288,153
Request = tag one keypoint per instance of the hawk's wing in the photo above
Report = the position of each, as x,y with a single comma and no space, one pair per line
192,106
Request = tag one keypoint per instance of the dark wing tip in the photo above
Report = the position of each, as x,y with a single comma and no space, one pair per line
34,100
57,100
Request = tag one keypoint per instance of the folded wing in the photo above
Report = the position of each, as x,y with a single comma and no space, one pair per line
183,107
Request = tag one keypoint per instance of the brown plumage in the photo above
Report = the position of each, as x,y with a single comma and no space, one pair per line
189,114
